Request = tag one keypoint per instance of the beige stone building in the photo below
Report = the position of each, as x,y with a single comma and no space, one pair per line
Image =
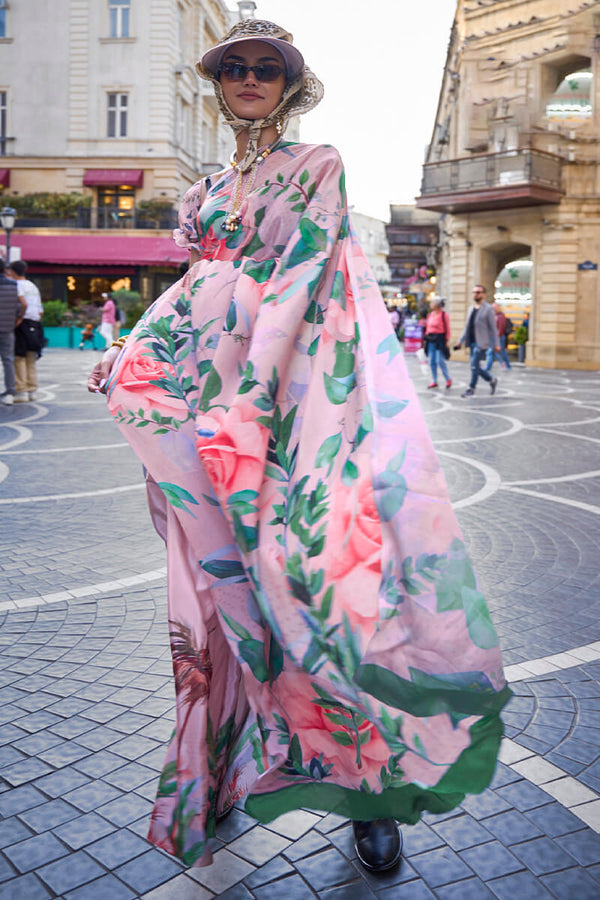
100,98
513,168
372,235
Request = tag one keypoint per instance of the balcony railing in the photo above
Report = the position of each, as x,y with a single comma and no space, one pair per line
492,181
103,218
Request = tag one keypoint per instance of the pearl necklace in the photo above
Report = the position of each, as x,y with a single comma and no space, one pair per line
233,219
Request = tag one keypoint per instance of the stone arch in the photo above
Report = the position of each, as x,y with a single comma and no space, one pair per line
555,72
494,259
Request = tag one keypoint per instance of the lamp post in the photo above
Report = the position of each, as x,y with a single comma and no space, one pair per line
8,216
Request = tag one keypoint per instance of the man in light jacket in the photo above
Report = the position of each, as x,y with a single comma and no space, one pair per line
479,335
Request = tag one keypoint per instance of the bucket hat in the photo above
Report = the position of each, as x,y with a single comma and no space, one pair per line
302,91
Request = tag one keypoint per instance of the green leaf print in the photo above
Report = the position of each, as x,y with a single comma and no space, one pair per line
253,652
349,473
225,568
344,359
390,345
338,389
231,317
342,737
392,500
312,240
338,291
479,623
303,177
275,659
167,784
242,503
204,366
390,408
177,496
314,314
454,576
237,627
212,388
328,451
314,237
254,245
260,271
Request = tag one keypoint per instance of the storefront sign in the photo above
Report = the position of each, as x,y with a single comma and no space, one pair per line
413,337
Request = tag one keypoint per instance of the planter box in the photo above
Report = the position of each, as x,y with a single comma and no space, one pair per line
69,336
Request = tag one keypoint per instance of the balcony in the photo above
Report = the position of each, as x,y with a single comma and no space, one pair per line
103,217
491,181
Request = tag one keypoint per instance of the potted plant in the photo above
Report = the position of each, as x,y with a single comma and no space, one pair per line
520,339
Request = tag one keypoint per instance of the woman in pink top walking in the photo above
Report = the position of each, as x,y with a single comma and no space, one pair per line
437,332
108,319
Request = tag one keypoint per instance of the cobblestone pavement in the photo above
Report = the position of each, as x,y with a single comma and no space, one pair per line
86,697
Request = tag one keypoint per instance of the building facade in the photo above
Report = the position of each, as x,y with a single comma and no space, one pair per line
513,170
99,100
413,237
372,235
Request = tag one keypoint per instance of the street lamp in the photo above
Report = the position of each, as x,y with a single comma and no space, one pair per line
8,216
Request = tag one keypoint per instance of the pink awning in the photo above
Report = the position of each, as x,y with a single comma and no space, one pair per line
113,177
5,177
99,249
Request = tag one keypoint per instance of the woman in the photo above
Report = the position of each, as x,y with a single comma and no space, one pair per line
437,332
330,647
109,318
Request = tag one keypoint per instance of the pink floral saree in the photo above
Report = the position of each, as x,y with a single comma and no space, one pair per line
331,648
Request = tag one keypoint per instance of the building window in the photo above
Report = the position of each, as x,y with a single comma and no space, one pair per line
3,8
116,120
3,121
118,11
116,207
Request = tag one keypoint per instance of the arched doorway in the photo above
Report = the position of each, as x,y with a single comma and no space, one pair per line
571,102
513,289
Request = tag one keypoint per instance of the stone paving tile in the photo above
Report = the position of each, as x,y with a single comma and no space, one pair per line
325,869
226,870
27,887
71,872
86,691
258,845
105,888
35,852
84,830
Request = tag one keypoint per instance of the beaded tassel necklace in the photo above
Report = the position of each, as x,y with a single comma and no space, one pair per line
233,218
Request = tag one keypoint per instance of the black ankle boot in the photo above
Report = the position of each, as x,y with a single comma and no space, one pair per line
378,843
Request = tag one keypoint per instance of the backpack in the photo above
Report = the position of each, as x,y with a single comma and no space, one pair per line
509,327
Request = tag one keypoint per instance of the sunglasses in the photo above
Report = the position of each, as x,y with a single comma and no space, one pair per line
238,72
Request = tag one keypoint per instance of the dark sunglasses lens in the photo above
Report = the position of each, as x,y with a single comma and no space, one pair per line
267,72
234,72
238,72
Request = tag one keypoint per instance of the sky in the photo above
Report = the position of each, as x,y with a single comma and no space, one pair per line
381,62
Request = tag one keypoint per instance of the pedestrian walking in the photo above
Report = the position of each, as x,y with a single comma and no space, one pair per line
109,317
503,327
437,332
12,309
479,335
29,333
330,647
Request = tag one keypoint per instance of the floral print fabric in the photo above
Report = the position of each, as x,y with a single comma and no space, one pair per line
331,646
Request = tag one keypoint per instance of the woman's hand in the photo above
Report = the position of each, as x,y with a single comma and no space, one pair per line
100,373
